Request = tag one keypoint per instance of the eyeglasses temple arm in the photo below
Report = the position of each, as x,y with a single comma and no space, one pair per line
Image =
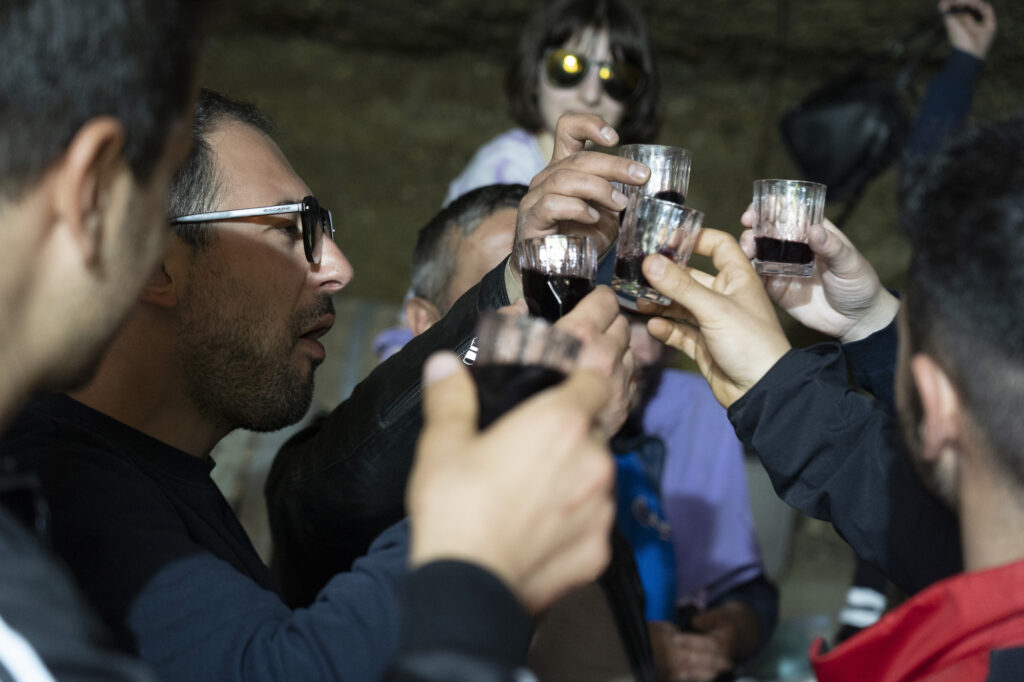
237,213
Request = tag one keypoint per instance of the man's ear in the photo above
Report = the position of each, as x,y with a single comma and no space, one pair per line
166,283
941,408
89,168
420,314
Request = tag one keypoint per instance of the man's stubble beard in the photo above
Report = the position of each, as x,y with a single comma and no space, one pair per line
237,373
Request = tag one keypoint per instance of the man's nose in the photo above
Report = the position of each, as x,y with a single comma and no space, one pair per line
334,271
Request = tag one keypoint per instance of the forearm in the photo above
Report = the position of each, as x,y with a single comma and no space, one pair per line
945,107
199,619
832,453
873,362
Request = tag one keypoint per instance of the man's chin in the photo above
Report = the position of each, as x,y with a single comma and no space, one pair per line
286,413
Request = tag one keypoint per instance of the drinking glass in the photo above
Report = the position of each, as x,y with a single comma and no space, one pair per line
670,171
558,271
784,210
651,226
517,356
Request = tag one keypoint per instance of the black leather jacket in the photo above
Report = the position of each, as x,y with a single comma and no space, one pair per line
835,454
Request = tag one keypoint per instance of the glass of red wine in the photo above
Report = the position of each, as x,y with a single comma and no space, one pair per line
651,226
558,271
784,210
670,171
516,357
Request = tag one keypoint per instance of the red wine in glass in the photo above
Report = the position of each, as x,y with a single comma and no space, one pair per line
671,195
501,387
630,268
772,250
551,296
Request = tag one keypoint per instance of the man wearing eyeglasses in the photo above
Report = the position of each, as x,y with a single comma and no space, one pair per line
225,335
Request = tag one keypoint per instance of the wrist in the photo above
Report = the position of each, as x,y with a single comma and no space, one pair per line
770,358
878,316
420,556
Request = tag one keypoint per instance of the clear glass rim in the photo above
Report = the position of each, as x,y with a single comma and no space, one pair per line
660,149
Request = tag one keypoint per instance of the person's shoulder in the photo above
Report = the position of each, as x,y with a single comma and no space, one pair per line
57,425
76,452
510,157
512,145
515,138
47,428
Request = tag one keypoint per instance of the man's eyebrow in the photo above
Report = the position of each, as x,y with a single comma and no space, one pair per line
285,202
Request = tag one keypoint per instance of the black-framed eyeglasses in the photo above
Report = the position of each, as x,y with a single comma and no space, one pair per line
316,221
620,79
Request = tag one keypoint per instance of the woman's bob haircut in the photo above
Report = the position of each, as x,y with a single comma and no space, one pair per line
554,25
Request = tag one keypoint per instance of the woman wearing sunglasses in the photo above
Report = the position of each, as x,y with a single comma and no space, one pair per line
590,56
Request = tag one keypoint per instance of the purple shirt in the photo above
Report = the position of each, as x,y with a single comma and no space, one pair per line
512,157
703,489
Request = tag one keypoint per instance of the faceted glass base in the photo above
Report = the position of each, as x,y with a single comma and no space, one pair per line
789,269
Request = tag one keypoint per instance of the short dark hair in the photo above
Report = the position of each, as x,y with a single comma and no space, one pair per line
965,297
195,185
433,260
556,23
68,61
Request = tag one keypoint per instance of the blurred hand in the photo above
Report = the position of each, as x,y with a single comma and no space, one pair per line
843,298
725,322
686,657
574,194
604,331
528,499
964,31
735,627
723,635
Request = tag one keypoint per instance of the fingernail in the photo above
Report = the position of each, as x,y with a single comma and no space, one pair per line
618,198
593,211
608,134
655,267
638,171
439,366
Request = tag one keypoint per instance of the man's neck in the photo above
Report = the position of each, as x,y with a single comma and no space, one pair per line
139,385
23,357
14,388
991,520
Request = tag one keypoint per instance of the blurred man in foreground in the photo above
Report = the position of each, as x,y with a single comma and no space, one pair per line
92,125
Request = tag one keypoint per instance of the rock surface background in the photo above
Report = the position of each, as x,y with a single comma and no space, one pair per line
378,105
